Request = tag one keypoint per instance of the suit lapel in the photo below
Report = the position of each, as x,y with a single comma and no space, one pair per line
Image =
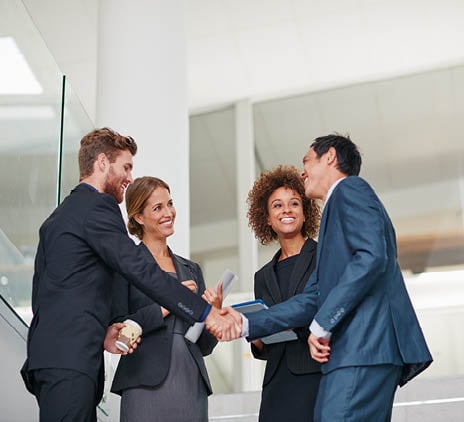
183,273
322,226
301,267
182,269
271,279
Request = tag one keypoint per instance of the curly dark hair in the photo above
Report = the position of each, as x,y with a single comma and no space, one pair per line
264,186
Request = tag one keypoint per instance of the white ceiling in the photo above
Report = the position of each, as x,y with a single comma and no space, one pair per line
409,130
261,49
389,72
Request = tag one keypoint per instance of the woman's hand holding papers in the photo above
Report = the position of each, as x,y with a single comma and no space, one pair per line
214,298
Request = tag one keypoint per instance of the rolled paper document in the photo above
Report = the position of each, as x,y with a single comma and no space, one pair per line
194,332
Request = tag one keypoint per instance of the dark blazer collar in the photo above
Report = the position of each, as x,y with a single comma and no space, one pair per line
182,266
86,186
298,274
322,226
271,279
325,213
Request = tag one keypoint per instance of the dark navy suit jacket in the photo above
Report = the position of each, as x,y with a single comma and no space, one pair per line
149,365
357,291
295,353
82,244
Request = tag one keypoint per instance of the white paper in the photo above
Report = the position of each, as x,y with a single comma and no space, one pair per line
227,279
194,332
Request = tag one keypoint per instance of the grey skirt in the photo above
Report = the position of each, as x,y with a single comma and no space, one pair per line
182,397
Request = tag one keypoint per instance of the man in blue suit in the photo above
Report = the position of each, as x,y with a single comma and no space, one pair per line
363,327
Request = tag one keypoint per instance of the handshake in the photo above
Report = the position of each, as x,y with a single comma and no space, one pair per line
225,324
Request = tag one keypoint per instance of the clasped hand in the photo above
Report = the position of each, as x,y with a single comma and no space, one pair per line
319,348
225,324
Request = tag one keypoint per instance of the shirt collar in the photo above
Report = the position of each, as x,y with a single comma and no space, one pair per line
332,188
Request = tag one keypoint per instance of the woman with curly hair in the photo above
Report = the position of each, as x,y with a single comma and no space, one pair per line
278,210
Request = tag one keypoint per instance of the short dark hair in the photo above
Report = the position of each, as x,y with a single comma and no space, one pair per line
268,182
105,140
348,155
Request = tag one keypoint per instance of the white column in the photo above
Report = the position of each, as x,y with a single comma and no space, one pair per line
247,246
142,92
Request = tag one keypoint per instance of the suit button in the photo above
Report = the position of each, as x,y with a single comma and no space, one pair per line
318,293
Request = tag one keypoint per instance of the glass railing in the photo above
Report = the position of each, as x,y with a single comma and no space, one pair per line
41,123
30,124
39,166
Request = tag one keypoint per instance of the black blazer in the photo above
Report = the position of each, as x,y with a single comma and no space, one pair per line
149,364
296,353
82,243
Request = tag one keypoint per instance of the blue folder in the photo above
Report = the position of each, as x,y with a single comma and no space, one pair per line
258,305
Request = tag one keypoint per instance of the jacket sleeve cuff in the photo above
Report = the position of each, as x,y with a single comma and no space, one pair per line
318,331
205,313
245,326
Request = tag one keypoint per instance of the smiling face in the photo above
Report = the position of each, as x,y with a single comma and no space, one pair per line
119,176
285,209
315,175
157,218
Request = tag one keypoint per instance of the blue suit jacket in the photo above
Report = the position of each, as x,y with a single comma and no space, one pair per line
357,291
149,365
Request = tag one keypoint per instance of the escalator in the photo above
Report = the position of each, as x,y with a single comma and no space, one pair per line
17,405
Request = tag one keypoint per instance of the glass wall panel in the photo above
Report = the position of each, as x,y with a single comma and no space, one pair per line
29,133
212,165
409,130
76,124
213,212
30,130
